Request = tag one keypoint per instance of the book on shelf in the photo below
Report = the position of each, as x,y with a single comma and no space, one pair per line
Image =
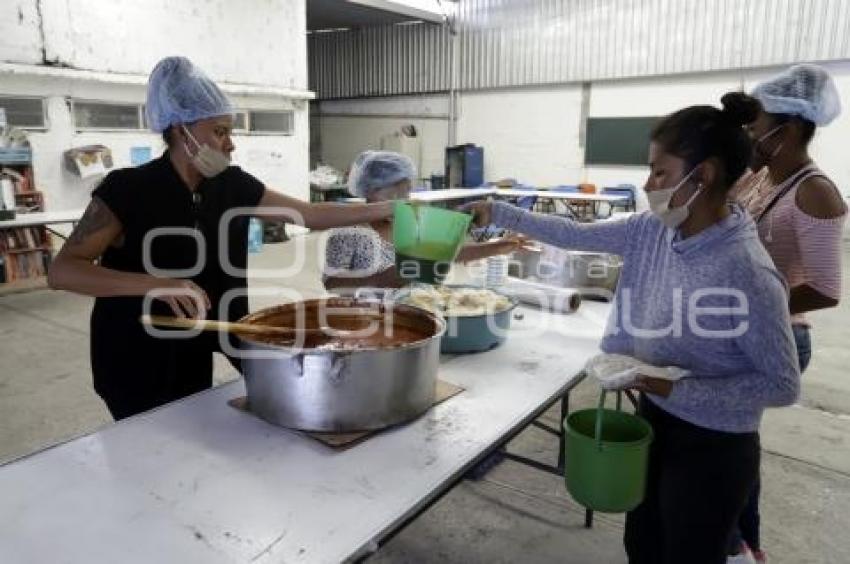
25,252
30,238
22,182
22,238
29,181
33,201
32,264
11,241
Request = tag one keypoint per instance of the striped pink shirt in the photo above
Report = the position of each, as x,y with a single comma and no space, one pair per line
805,249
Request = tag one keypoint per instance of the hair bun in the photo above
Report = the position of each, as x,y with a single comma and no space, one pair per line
740,108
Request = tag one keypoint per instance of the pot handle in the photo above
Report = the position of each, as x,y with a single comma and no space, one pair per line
370,292
298,361
337,371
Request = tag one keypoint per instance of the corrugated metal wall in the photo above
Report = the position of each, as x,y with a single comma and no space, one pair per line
386,60
520,42
516,42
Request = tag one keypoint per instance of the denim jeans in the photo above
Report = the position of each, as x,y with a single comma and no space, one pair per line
803,339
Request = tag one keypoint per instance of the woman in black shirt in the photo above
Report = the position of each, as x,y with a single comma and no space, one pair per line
174,233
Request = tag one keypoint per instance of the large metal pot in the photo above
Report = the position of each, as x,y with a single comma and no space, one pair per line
320,388
592,274
525,262
591,270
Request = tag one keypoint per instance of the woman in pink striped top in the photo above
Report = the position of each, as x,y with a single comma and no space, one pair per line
799,211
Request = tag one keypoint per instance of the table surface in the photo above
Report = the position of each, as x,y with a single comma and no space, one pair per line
460,193
198,481
450,194
42,218
556,195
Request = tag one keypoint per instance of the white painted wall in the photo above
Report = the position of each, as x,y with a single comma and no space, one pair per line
20,40
279,161
532,134
529,134
250,41
660,96
256,42
347,127
650,97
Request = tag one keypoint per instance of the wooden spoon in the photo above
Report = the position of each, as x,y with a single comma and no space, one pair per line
227,326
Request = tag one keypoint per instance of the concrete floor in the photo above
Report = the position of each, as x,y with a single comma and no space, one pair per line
515,514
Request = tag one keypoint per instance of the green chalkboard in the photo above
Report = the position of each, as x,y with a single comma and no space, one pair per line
618,141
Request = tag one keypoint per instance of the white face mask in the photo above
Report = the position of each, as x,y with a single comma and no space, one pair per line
659,203
207,160
758,143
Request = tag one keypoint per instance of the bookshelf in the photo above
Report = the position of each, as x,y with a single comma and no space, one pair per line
25,252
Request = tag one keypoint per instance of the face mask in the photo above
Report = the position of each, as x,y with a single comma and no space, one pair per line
659,203
207,160
759,158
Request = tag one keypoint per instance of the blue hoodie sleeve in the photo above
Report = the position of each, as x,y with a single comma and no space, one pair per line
767,341
605,237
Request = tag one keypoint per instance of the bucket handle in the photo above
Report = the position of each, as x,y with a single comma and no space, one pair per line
600,413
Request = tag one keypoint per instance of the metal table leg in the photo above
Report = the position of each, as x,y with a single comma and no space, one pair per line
559,468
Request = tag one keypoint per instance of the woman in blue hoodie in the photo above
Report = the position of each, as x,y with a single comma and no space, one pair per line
697,291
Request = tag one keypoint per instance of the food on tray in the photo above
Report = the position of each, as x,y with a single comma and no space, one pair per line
457,302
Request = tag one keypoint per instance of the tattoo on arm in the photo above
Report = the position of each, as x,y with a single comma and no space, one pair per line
96,217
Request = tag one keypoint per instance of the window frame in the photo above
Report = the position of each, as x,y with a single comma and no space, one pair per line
250,119
140,116
44,117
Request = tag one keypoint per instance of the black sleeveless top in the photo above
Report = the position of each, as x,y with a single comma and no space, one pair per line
169,231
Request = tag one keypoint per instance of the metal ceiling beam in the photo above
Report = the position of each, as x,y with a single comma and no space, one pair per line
402,9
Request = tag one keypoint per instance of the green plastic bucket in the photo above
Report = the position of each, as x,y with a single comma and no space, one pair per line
427,240
607,454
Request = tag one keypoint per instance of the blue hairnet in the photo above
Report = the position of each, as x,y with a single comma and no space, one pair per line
180,92
373,170
803,90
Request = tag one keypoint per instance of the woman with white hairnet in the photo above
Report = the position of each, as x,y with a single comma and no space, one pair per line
174,232
798,210
365,256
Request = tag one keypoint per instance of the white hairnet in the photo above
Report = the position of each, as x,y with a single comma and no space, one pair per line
803,90
373,170
180,92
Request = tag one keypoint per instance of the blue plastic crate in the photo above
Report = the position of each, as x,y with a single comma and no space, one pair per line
15,155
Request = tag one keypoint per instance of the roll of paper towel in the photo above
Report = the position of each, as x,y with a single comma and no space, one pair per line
551,298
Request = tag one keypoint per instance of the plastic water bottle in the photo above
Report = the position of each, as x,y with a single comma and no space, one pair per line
255,235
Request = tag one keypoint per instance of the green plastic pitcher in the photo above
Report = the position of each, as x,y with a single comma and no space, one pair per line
427,239
607,455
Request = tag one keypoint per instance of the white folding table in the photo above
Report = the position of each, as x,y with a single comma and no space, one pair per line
199,481
574,200
558,195
449,194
